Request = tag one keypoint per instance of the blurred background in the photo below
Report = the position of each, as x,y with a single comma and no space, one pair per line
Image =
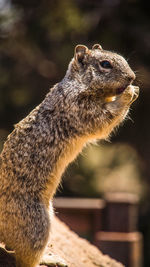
37,40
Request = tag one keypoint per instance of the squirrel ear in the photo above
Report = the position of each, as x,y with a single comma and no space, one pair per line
97,46
80,52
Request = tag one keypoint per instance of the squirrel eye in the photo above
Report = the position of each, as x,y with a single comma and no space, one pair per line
105,64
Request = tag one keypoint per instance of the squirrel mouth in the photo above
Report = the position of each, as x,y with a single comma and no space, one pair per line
120,90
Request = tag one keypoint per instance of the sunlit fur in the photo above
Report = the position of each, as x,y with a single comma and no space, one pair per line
75,111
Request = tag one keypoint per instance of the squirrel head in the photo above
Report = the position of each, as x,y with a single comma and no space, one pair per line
98,69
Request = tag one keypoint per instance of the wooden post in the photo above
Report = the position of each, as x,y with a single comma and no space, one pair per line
120,238
121,212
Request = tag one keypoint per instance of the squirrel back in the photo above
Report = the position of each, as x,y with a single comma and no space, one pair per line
74,112
90,101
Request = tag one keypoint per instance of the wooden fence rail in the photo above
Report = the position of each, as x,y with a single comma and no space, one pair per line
110,223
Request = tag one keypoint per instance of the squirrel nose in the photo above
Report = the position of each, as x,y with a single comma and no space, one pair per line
131,76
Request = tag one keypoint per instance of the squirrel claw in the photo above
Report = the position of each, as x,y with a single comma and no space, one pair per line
53,260
135,95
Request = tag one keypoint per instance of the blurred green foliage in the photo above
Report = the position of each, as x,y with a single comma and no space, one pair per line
105,168
37,40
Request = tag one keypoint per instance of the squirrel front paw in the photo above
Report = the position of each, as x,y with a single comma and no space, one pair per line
53,260
135,93
131,94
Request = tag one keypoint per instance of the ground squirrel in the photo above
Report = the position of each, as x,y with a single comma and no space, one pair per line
90,101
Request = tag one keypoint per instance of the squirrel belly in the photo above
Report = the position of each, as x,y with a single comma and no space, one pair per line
36,153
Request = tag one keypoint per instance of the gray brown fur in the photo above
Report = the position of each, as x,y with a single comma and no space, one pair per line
73,113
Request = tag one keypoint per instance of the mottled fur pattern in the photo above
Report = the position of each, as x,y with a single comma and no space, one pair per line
74,112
